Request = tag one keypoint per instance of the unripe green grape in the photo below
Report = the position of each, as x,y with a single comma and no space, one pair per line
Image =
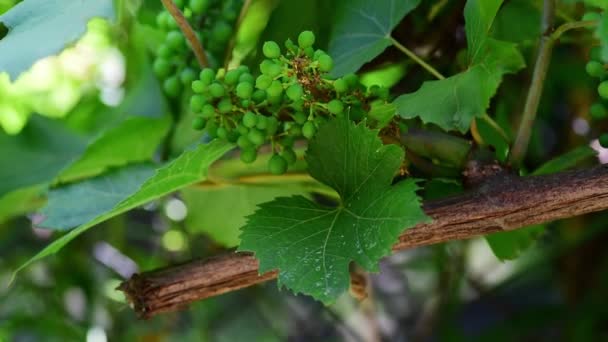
258,96
309,52
300,118
250,119
198,86
306,39
221,32
199,6
249,155
224,106
274,70
232,136
171,23
256,137
289,155
275,101
187,76
243,141
602,89
277,165
216,90
272,125
242,129
294,92
207,76
161,20
208,111
175,40
172,86
244,90
196,103
246,77
298,105
222,132
340,85
164,51
326,63
245,103
162,68
271,49
352,80
198,123
275,89
211,128
309,130
295,130
598,111
290,45
262,122
263,82
232,77
604,140
595,69
335,107
243,69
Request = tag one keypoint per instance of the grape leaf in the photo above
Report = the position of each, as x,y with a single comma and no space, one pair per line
66,209
21,201
220,211
39,28
568,160
509,245
133,140
363,30
452,103
188,168
312,245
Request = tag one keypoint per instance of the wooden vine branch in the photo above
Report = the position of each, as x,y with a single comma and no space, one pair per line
503,203
187,30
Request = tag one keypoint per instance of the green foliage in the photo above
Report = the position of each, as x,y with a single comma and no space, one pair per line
312,245
363,30
509,245
38,28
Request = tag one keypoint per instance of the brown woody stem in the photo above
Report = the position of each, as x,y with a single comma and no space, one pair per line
506,203
188,32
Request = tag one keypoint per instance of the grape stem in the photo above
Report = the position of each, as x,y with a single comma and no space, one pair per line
543,58
417,59
188,32
232,42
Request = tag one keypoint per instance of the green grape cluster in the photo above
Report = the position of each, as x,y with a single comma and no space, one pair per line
290,98
213,22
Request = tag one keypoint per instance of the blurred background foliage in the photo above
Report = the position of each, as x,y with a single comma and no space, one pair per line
459,291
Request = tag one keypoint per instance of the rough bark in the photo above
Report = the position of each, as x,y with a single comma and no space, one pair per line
504,203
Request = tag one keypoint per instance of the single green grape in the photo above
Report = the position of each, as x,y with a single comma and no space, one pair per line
250,120
199,123
208,111
249,155
272,125
196,103
335,107
172,86
294,92
598,111
244,90
263,82
256,136
306,39
295,130
326,63
275,89
602,89
352,80
246,77
207,76
309,130
595,69
271,49
198,86
216,90
300,118
162,68
277,165
211,128
187,76
243,142
175,40
199,6
224,106
273,70
222,132
262,123
232,77
164,51
289,155
242,129
604,140
221,32
258,96
340,85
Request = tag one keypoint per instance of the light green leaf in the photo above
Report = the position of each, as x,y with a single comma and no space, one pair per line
363,30
479,16
133,140
220,212
21,201
37,154
567,160
66,208
312,245
382,112
191,167
39,28
509,245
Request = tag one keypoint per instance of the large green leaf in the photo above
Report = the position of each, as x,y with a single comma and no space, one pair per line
189,168
479,15
363,30
312,245
66,208
39,28
220,211
37,154
133,140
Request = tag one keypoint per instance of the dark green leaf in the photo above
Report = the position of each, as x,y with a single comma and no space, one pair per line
510,244
312,245
39,28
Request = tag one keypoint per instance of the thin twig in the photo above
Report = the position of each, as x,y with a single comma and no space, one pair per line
188,32
505,204
417,59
